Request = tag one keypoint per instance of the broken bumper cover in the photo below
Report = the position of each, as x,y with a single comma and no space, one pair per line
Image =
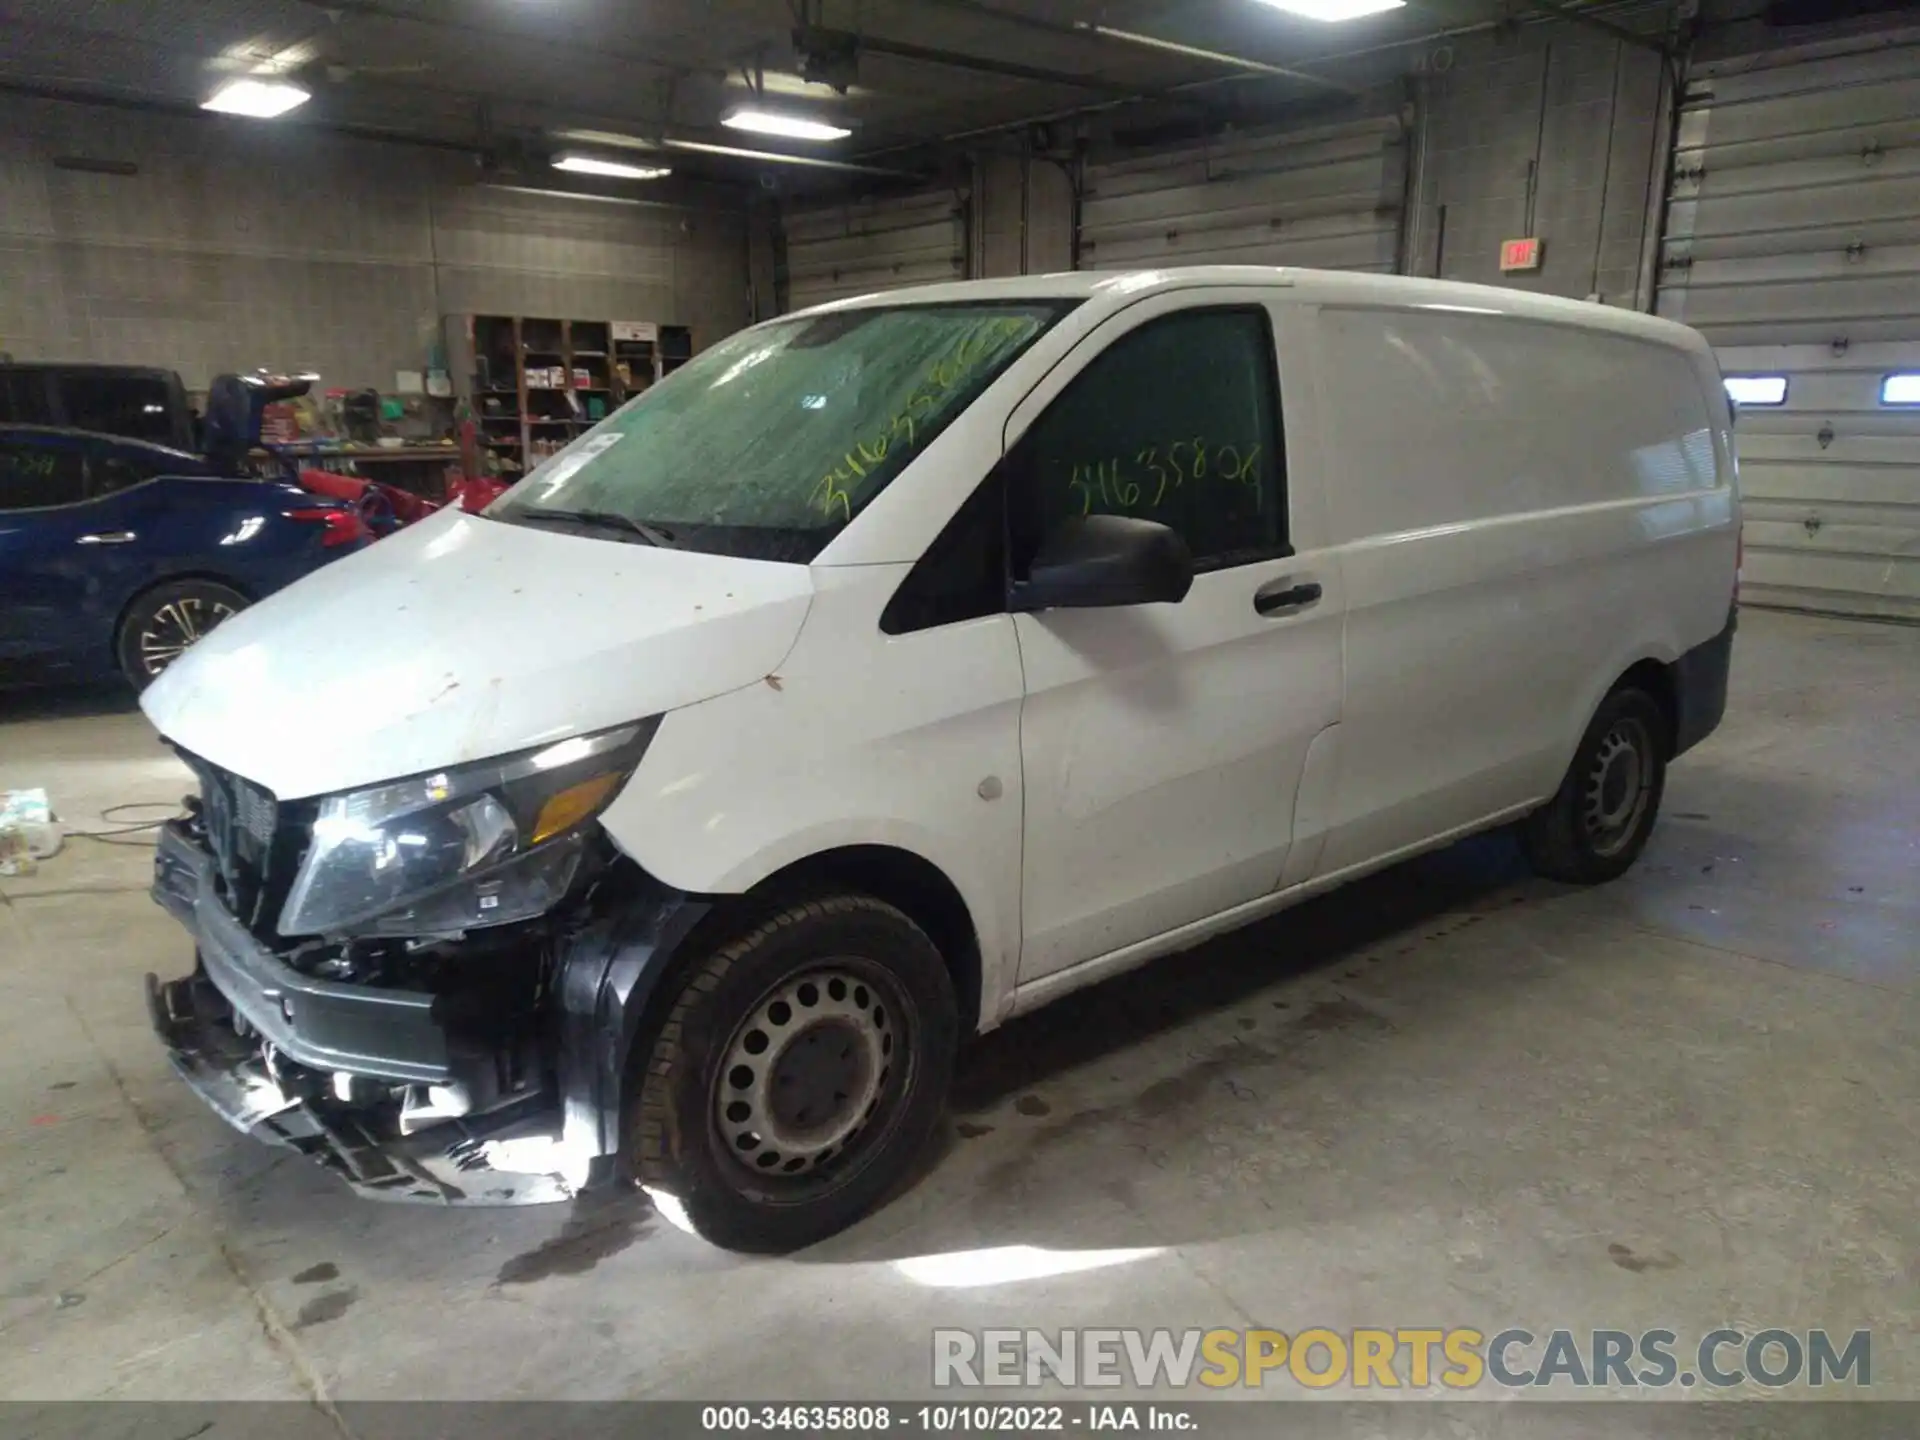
511,1155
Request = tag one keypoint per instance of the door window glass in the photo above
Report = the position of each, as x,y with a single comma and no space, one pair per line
35,476
112,472
130,405
1175,422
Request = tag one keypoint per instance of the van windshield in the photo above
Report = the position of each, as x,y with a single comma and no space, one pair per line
767,445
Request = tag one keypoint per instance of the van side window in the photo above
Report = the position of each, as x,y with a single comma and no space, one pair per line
963,575
33,477
1175,422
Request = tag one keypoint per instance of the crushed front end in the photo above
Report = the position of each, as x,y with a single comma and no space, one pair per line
408,1041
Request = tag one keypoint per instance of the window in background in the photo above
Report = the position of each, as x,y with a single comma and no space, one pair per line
1901,388
1757,391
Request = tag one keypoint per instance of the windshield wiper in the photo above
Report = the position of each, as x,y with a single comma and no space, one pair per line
601,520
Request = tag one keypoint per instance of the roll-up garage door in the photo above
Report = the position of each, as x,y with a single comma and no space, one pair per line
1329,198
1793,242
854,248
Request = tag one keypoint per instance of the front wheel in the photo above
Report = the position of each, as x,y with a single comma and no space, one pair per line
799,1074
1598,821
162,623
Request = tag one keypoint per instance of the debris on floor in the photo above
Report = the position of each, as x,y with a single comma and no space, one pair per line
27,832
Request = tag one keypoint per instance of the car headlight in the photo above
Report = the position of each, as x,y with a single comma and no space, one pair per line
478,845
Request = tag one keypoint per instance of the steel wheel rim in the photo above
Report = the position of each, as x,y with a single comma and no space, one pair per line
807,1074
1618,786
175,626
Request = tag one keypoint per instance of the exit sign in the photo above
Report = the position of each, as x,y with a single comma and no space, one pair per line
1520,255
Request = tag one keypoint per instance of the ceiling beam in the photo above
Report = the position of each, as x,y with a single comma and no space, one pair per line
1006,69
1246,68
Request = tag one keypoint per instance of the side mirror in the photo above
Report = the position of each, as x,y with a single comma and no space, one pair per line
1096,560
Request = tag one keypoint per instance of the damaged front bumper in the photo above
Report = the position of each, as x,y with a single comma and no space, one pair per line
329,1068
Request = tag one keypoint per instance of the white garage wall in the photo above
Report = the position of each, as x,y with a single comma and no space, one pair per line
1793,243
239,244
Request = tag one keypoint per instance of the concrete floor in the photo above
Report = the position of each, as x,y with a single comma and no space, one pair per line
1449,1095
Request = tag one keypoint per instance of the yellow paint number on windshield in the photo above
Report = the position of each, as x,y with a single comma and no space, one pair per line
833,493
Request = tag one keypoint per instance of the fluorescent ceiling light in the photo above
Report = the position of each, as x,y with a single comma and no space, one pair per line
783,82
260,99
1901,389
1335,9
793,127
1757,389
619,169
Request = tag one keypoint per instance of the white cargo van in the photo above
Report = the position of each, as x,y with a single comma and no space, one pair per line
899,666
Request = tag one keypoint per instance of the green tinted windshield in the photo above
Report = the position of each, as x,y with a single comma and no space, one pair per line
770,443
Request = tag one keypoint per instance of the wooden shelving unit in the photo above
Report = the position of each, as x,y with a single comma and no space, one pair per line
537,382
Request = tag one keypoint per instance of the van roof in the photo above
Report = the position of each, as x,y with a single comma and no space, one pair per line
1346,285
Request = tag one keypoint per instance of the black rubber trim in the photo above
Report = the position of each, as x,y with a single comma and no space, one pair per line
609,973
1700,687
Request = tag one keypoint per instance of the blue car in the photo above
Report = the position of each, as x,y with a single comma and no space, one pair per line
117,554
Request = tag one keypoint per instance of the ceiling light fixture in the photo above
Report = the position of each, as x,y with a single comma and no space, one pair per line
256,98
1335,9
793,127
618,169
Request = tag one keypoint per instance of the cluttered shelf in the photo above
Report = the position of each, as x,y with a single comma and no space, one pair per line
537,382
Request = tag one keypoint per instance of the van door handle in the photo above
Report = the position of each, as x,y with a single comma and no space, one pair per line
1279,596
107,537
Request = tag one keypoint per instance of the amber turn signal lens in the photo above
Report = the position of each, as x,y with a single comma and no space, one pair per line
572,805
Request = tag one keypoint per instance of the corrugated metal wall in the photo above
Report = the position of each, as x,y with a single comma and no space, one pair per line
1793,242
1328,197
236,245
1547,130
858,246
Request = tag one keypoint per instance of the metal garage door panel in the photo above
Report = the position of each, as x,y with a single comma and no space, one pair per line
1328,198
1793,242
1812,447
1834,584
1825,484
853,249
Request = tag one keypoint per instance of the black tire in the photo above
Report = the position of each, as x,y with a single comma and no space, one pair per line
742,1138
163,621
1598,822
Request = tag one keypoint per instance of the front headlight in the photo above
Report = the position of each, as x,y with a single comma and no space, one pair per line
483,844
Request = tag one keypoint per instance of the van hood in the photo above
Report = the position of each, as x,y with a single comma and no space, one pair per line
463,638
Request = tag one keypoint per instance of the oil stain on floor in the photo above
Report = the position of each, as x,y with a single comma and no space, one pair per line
595,1230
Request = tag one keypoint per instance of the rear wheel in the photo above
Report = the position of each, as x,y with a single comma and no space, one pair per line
1598,822
798,1076
162,623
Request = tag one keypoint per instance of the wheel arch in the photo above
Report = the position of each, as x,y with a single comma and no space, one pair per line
1657,679
910,883
617,975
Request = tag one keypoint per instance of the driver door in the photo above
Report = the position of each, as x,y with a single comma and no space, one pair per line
1163,745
